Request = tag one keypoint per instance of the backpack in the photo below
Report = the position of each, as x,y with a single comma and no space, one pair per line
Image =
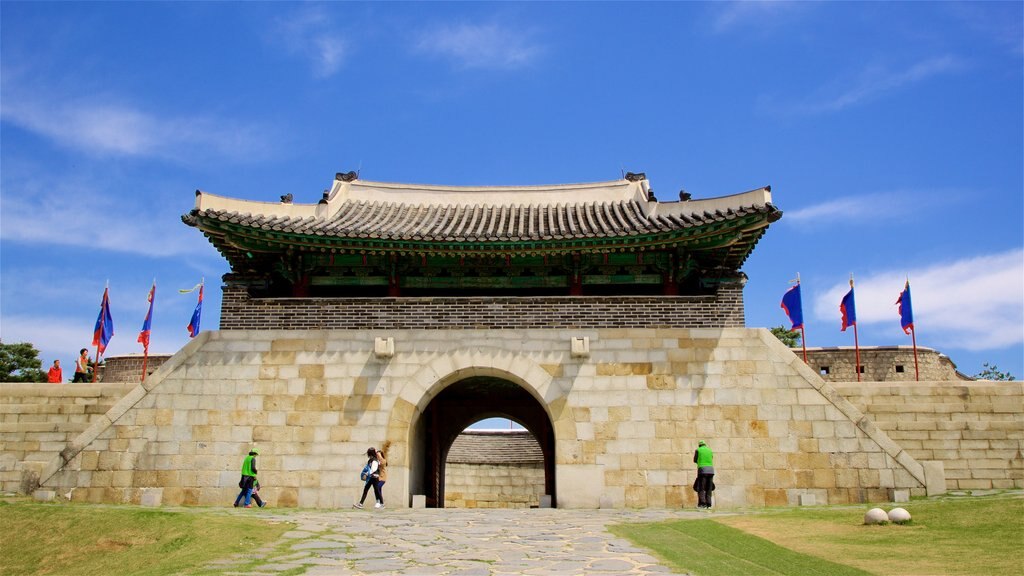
365,473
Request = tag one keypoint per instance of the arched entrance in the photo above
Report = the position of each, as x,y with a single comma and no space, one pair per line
460,404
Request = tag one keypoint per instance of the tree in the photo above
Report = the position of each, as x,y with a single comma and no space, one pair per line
20,363
788,337
991,372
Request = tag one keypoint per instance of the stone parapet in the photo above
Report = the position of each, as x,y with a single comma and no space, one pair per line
882,364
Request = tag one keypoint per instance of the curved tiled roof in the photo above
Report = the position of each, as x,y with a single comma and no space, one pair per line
376,217
495,447
375,210
482,223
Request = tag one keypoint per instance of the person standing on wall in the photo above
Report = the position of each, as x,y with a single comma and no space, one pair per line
248,481
704,485
82,367
55,374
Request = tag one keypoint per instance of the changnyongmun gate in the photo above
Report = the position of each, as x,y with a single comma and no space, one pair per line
607,322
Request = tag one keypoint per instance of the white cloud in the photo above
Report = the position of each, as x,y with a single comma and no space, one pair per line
310,34
974,304
39,213
731,15
123,130
871,83
480,45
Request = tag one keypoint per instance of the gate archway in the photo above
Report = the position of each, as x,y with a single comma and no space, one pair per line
464,402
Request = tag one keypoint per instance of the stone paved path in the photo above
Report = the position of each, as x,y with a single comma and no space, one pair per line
456,542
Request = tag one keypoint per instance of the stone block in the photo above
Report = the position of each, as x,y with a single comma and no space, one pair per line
900,495
807,500
151,497
44,495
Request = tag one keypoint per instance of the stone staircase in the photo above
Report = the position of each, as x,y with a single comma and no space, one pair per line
38,420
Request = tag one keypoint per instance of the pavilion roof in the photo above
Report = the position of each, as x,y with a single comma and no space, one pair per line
379,217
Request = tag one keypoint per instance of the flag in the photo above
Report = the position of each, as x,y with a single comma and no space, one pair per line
193,325
906,310
104,329
849,309
148,324
792,304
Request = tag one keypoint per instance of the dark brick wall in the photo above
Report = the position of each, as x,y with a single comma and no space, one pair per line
722,310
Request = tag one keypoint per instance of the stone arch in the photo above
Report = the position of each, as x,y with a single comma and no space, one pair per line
524,391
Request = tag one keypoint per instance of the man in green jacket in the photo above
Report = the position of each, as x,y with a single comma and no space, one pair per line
704,485
248,481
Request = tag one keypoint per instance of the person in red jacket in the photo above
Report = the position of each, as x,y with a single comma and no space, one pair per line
55,375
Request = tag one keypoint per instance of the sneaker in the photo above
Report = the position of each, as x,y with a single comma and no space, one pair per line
248,505
263,505
378,505
357,505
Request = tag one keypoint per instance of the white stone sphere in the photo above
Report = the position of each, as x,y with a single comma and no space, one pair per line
899,515
876,516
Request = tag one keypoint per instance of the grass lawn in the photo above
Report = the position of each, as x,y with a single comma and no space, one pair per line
949,536
71,539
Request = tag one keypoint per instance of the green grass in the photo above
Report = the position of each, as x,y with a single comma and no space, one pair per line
707,547
74,539
949,536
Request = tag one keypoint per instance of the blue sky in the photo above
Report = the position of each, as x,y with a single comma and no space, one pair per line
891,134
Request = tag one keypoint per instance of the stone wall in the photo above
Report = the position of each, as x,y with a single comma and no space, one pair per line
493,485
626,416
494,469
722,310
37,421
881,364
128,367
976,429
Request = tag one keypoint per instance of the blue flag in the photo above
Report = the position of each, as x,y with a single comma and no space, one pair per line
906,310
849,309
104,329
193,325
793,305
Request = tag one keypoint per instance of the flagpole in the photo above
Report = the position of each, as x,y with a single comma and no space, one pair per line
856,340
803,335
856,346
103,319
145,347
913,338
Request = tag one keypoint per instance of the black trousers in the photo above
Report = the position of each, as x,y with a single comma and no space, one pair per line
705,486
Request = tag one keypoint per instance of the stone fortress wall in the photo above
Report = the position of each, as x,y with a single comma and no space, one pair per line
626,418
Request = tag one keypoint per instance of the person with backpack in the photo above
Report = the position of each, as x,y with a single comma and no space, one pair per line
248,482
371,475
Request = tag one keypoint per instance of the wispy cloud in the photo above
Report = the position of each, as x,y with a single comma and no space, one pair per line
728,16
973,304
868,84
33,210
869,207
311,34
125,130
480,45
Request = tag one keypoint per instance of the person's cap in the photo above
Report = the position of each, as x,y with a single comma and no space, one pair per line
702,443
254,450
